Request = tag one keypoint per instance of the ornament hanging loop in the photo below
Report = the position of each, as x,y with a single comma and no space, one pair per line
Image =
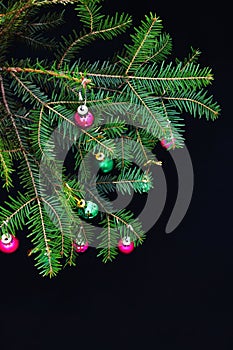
126,240
81,203
6,238
82,109
100,156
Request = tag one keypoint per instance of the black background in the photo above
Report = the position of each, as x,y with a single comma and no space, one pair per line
176,290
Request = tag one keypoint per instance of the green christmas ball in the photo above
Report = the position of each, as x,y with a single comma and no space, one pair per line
89,211
145,185
106,165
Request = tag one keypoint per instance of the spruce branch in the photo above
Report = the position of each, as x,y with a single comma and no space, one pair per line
99,27
33,183
38,99
6,168
196,104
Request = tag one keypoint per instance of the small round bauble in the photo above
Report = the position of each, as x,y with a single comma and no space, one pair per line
125,245
9,243
167,144
145,184
80,247
106,165
84,121
89,211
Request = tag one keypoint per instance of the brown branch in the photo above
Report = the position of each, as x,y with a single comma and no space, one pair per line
40,71
16,16
4,96
31,175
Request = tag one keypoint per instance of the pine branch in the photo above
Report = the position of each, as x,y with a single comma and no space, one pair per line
47,21
197,104
38,100
105,29
108,244
145,34
37,41
128,180
6,168
42,225
13,221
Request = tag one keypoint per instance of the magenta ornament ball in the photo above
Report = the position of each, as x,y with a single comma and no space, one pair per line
167,144
125,248
84,121
9,243
80,248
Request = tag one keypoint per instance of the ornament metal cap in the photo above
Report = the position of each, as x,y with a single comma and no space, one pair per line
6,238
81,203
100,156
126,241
82,110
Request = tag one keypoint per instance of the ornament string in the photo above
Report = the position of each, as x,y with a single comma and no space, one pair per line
80,201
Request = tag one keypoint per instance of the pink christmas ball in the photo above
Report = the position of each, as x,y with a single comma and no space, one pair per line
80,248
84,121
8,243
125,247
167,144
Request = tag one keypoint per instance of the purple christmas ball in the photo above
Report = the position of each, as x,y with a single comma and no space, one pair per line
84,121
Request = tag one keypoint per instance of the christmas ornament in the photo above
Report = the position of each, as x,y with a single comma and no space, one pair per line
125,245
166,144
89,211
80,246
8,243
83,117
105,164
145,184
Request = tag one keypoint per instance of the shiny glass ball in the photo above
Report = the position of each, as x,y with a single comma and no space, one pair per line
167,144
8,243
145,185
125,246
106,165
84,121
89,211
80,248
